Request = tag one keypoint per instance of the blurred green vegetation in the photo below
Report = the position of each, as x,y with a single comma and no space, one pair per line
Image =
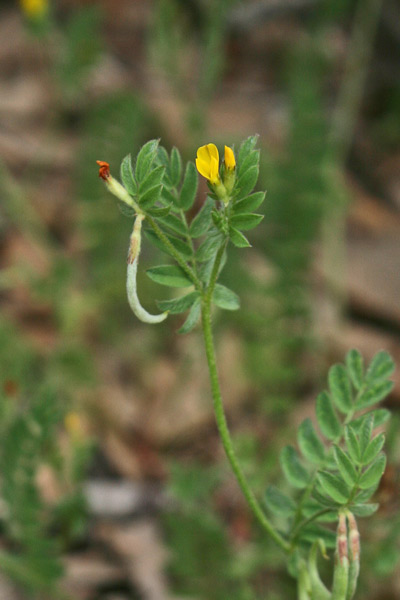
84,292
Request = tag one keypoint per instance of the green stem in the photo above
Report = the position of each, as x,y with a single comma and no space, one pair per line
215,271
221,418
300,526
305,496
177,256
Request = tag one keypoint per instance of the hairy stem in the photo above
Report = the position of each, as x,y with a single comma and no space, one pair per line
222,423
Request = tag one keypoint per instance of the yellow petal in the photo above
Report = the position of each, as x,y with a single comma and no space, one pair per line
213,151
230,161
203,154
208,151
203,167
214,168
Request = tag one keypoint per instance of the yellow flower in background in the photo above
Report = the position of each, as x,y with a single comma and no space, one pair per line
207,163
34,8
230,162
73,424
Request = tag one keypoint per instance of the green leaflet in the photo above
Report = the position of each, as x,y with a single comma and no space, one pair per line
381,415
310,445
150,197
170,275
192,318
208,248
225,298
246,183
364,510
153,179
373,448
334,486
352,443
245,148
127,176
189,187
365,433
246,221
339,385
279,503
314,532
174,223
294,471
365,495
175,166
202,220
345,466
373,474
327,419
252,159
355,368
381,367
178,305
145,159
248,204
238,239
375,392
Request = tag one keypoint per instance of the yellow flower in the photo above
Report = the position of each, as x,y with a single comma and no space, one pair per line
34,8
207,163
230,162
73,424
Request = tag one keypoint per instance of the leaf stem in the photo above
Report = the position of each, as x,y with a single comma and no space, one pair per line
300,526
177,255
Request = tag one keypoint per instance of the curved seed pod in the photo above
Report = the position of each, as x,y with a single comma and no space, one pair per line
319,590
131,285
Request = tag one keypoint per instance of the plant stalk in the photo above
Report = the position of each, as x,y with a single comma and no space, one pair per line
223,426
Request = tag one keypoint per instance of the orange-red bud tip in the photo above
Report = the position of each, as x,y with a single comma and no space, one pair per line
104,170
